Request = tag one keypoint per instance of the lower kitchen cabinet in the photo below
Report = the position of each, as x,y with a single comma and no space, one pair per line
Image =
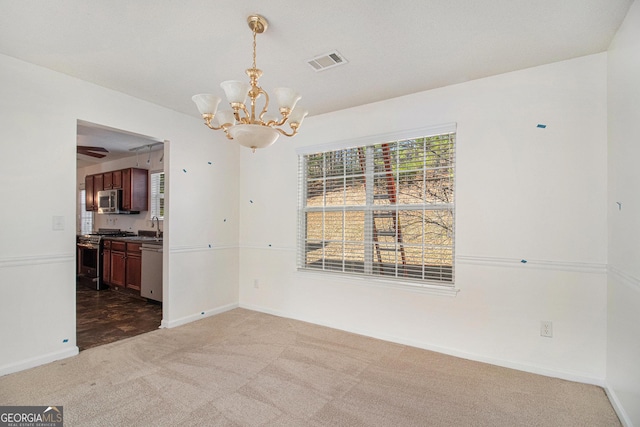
134,266
122,264
118,263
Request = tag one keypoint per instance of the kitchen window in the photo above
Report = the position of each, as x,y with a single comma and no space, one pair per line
384,210
86,218
157,195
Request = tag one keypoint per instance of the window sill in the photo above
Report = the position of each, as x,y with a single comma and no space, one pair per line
422,288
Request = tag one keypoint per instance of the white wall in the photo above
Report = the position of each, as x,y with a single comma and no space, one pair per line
522,193
623,350
39,110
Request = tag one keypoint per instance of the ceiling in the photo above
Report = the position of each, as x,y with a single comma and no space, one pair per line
165,51
119,144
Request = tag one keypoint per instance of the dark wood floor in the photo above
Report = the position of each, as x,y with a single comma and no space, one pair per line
107,316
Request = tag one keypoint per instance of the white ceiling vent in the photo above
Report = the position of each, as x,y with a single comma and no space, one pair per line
328,60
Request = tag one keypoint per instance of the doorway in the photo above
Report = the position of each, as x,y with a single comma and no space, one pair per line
114,160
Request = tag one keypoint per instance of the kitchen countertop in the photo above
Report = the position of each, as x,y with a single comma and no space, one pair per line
140,239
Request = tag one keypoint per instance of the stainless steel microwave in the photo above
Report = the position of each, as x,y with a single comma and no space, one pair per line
109,201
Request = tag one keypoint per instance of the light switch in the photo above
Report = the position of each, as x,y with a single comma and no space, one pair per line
58,223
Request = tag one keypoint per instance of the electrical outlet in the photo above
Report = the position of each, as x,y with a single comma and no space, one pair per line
256,284
546,329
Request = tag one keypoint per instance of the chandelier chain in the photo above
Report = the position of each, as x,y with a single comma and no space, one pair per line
254,48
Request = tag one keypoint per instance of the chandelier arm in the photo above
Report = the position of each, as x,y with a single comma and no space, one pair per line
295,131
236,114
213,127
207,122
266,104
225,127
283,120
246,119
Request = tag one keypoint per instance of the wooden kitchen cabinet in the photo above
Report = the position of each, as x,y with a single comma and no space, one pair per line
107,180
89,196
112,180
98,185
92,184
134,266
118,265
135,185
122,264
133,182
116,179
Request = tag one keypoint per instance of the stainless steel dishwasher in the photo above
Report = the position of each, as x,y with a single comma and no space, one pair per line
151,286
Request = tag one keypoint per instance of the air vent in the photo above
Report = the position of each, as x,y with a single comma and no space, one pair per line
326,61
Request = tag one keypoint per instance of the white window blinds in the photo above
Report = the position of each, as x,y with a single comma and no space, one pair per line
383,210
157,195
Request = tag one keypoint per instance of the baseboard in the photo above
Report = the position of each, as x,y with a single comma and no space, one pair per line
39,360
617,406
569,376
197,316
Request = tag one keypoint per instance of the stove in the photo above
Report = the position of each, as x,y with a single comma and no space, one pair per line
90,256
110,232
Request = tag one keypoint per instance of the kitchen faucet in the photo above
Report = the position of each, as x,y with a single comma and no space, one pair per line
157,226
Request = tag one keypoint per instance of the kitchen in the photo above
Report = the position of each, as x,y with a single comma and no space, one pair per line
120,216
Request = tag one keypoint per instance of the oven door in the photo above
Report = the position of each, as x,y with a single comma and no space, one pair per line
89,265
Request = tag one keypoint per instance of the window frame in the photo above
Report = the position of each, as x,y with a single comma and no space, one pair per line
365,273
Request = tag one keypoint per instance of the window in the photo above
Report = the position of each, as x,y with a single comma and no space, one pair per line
383,210
86,218
157,195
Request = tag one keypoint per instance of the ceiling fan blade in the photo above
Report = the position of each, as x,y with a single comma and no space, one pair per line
92,151
89,153
87,148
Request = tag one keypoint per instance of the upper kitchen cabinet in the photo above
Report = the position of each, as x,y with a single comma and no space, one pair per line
112,180
89,193
93,184
98,185
134,183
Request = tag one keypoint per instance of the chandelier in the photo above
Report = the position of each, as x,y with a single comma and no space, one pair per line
241,122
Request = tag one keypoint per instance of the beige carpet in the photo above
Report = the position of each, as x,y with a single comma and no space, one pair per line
243,368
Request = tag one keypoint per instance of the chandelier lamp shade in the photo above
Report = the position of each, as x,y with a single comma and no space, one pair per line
247,124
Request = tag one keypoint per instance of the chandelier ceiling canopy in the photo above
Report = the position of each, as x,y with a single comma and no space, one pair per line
241,123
